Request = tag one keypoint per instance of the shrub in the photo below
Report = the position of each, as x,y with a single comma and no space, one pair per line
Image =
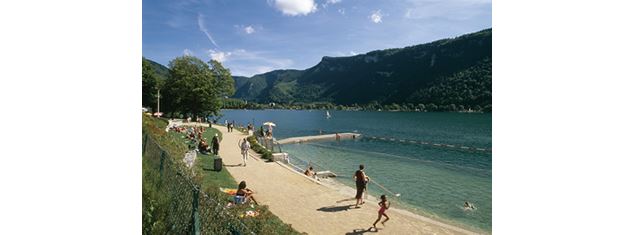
265,153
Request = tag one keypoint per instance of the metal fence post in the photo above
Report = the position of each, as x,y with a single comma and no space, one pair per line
162,161
196,222
143,147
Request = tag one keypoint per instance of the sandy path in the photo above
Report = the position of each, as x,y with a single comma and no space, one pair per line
311,207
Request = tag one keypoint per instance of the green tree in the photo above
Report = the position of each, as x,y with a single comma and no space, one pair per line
150,84
421,107
393,107
224,77
432,107
195,88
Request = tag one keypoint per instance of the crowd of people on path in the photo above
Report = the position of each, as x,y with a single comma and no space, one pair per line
197,119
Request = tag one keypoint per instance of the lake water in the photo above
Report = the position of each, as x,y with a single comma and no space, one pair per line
433,181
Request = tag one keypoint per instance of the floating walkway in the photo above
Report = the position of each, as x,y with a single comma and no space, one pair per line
303,139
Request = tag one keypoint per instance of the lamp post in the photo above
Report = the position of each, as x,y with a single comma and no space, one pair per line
158,98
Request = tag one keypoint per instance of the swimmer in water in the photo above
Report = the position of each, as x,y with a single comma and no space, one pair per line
468,206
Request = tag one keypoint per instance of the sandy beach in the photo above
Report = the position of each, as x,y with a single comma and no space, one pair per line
317,208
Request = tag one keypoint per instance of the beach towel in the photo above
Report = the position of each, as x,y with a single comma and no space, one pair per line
230,191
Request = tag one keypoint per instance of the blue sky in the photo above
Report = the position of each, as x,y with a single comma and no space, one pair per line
251,37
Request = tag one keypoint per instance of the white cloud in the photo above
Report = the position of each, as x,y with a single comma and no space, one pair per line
376,16
187,52
353,53
259,57
342,11
295,7
262,69
448,9
330,2
249,29
219,55
201,26
247,63
248,71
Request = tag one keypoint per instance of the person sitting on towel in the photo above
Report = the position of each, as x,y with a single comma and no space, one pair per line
203,147
244,192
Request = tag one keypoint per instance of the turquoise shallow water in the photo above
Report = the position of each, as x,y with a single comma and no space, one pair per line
432,181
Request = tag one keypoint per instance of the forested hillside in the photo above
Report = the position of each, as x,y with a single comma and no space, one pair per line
449,75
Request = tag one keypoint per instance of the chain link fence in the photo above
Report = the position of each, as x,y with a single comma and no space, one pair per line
174,204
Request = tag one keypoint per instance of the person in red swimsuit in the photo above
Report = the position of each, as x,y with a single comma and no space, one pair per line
383,206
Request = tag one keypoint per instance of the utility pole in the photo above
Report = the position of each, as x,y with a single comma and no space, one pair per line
158,97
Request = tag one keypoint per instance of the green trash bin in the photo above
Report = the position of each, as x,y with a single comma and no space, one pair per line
218,164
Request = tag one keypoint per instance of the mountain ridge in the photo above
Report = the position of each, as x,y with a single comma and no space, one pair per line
454,71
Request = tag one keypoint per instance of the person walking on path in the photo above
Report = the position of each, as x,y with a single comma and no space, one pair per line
250,129
361,179
244,147
383,206
215,144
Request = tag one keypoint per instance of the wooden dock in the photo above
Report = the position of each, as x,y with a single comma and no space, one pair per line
302,139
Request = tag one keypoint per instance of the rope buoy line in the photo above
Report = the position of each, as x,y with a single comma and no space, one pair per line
430,144
392,155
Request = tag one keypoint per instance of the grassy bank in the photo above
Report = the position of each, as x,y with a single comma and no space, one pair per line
205,164
168,188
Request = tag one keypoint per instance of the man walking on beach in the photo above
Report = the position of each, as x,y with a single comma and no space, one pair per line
244,147
360,183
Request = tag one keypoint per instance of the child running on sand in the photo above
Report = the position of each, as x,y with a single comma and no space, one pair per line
383,206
